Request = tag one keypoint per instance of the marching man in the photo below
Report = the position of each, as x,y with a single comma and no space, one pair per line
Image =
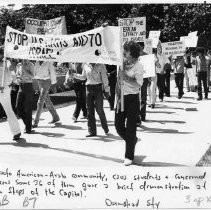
5,79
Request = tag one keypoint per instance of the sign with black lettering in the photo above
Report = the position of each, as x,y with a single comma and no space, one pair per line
54,26
133,29
173,48
100,45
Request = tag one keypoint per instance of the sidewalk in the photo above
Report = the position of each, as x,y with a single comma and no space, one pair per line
176,133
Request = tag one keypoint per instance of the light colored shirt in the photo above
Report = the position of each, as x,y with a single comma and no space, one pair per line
132,79
25,72
201,64
7,75
96,74
160,63
45,71
178,65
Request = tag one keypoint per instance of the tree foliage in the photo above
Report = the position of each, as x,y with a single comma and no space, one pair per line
174,20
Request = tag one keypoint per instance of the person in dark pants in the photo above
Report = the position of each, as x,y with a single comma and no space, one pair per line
130,79
80,90
25,74
112,77
2,112
14,87
143,95
201,70
96,82
178,65
144,99
161,60
167,76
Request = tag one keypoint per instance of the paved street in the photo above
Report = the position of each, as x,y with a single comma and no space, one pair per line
176,133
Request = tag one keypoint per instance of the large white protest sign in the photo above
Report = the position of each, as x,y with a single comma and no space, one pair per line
194,33
190,41
148,46
154,35
173,48
148,63
133,29
100,45
54,26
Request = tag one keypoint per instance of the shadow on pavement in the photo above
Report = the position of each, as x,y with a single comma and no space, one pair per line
183,102
165,121
160,112
167,107
49,134
138,160
160,130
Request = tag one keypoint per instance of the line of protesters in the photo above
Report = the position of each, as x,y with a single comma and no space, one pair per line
93,82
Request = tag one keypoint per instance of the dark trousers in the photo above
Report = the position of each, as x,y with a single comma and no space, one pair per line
167,82
80,91
202,78
24,104
94,101
179,80
2,112
13,95
112,84
125,123
144,98
161,85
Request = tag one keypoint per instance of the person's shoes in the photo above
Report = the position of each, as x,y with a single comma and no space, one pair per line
17,137
143,119
150,105
206,97
153,106
161,100
35,125
54,121
107,132
84,117
29,131
74,119
128,162
91,135
199,99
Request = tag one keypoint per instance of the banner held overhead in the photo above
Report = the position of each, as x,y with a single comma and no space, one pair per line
100,45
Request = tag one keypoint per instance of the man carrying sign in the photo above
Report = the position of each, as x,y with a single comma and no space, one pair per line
5,78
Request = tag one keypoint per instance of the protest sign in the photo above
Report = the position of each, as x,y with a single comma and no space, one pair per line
133,29
54,26
194,33
173,48
100,45
154,35
189,41
148,46
148,63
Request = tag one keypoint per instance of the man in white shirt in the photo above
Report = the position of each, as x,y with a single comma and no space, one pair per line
5,99
45,74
